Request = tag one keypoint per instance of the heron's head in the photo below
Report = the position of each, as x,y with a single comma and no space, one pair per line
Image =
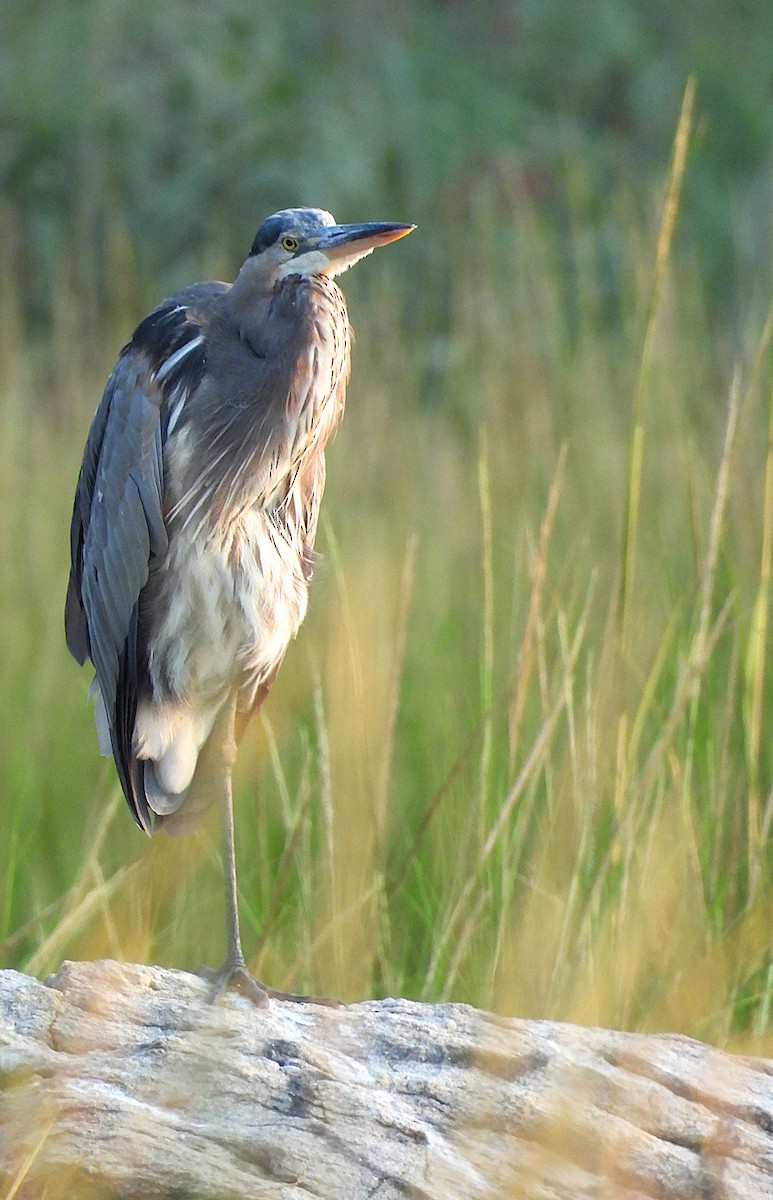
307,241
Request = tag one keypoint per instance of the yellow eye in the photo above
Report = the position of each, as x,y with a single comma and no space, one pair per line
290,244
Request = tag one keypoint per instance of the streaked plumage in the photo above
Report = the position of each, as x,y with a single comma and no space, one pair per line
196,509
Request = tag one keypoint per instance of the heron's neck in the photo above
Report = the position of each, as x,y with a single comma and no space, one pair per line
251,290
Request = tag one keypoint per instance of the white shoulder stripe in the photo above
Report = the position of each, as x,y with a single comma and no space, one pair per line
175,359
176,401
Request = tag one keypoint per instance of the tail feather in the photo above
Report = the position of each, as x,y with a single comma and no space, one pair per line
161,801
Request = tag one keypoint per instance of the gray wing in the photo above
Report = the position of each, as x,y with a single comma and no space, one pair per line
117,524
118,519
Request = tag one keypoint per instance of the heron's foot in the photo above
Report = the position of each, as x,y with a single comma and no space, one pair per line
235,974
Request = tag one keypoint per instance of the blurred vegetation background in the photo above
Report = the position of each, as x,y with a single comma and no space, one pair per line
520,754
173,126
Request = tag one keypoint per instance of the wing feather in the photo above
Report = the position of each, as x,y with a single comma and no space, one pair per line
118,518
117,525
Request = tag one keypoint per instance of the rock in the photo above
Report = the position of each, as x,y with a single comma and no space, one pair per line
121,1081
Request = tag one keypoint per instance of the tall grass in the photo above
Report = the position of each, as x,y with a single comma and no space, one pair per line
519,754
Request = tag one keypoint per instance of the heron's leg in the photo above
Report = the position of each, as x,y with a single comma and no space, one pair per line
233,972
235,954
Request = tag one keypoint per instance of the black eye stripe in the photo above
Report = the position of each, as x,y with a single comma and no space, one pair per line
269,232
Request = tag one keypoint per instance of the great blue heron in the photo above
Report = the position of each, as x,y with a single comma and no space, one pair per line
195,515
